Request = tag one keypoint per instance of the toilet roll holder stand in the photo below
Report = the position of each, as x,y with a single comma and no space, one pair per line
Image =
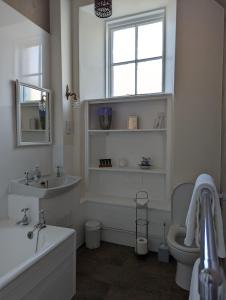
142,222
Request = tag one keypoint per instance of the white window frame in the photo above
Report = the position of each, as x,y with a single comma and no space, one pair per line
127,22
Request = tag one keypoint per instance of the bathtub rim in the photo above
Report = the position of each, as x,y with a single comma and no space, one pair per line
16,272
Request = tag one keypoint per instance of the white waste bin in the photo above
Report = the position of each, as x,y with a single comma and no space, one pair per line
92,230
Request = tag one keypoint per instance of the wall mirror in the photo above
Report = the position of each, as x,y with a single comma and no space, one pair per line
33,110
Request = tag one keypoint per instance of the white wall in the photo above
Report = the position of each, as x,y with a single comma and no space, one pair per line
61,75
92,72
223,153
223,163
66,44
198,90
89,55
198,83
15,31
198,87
56,81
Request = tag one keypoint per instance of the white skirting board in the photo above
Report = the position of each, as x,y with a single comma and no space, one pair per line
120,237
118,223
127,238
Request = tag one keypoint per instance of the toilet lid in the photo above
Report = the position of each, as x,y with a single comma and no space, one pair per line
181,198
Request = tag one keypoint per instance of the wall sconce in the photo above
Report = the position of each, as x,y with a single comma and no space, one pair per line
70,95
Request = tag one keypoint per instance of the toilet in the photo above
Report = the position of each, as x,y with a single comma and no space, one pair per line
184,255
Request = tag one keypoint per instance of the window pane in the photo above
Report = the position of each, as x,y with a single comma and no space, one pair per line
31,60
124,80
150,40
124,45
149,77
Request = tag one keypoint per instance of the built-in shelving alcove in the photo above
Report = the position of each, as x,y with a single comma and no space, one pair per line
118,185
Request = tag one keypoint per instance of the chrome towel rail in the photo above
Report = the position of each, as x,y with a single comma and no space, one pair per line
210,275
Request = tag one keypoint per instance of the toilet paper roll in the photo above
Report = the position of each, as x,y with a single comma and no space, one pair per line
142,246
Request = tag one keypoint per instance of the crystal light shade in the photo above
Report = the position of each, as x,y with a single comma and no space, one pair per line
103,8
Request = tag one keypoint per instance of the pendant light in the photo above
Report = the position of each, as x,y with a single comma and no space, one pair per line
103,8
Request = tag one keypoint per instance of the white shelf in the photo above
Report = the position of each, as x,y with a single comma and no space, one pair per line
129,170
34,130
124,201
119,142
126,130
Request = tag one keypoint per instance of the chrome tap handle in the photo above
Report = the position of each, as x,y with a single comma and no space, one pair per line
59,171
25,210
25,219
42,217
26,177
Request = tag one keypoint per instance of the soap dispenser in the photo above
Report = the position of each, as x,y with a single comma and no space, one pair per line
37,173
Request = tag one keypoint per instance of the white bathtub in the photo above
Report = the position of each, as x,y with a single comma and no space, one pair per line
45,275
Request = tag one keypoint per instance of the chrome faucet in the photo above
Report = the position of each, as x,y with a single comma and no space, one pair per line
42,222
39,226
27,179
24,221
59,171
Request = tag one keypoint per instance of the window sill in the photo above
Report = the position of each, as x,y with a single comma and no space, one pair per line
130,98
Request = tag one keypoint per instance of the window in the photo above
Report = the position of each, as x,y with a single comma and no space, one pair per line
135,58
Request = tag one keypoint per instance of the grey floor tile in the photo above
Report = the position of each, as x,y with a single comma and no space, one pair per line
108,273
176,289
114,272
86,265
90,289
151,265
118,293
107,254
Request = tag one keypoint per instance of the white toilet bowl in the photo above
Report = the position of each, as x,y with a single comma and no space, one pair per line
185,256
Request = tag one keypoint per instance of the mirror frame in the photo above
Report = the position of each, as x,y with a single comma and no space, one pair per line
18,116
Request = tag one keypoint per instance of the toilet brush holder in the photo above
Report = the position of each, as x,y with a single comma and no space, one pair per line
163,251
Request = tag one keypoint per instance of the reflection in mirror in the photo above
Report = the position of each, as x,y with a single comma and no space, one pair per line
33,115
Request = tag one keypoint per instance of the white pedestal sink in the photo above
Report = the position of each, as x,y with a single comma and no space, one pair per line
47,187
58,196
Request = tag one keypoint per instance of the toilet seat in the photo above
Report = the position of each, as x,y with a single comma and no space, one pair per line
176,237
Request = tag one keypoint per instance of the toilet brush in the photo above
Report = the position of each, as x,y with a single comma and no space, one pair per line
163,251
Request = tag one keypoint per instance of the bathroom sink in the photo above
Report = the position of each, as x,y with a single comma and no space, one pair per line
53,182
47,187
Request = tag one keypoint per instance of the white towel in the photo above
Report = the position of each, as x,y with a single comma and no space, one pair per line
193,216
194,287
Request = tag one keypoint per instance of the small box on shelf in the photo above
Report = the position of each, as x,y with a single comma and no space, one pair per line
133,122
105,163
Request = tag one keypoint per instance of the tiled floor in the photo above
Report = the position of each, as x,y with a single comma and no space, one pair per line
113,272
